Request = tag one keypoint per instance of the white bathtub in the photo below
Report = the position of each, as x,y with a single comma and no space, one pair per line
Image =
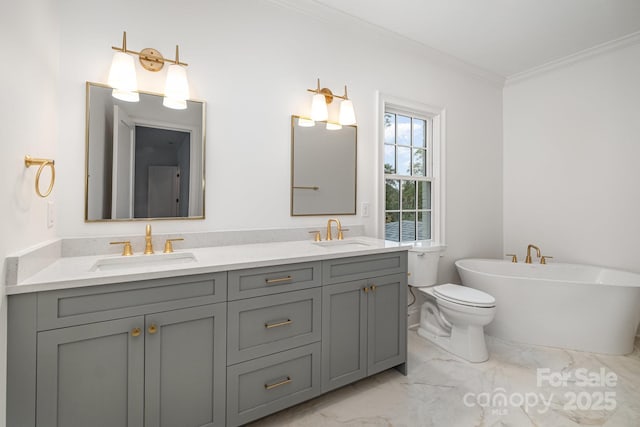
570,306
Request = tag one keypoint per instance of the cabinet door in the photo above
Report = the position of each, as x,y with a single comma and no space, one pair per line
387,322
185,367
91,375
344,327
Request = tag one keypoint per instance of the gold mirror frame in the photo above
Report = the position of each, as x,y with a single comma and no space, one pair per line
202,162
329,159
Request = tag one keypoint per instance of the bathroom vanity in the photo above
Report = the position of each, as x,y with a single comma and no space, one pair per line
208,343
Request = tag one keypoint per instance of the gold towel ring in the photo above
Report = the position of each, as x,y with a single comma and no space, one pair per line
30,161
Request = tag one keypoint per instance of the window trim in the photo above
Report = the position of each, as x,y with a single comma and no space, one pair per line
437,115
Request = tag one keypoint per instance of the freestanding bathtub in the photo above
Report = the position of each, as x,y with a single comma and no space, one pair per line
570,306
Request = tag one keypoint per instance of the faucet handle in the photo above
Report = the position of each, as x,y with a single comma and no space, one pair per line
168,246
544,258
126,250
317,237
514,257
340,234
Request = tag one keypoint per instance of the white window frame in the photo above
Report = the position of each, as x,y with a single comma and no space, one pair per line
437,115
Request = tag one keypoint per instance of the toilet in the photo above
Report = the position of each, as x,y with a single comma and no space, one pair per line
452,316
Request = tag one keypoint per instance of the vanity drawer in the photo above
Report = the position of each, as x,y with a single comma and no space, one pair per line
256,282
262,386
363,267
69,307
266,325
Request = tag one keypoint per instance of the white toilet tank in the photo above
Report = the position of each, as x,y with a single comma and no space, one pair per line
423,267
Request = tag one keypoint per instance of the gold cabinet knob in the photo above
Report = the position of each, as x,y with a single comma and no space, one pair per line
365,289
135,332
373,288
152,329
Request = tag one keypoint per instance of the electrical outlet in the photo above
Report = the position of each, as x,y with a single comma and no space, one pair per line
51,214
365,210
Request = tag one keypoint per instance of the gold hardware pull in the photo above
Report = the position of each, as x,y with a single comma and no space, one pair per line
278,324
314,188
279,280
373,288
126,250
277,384
32,161
544,258
152,329
316,237
168,246
365,289
135,332
514,257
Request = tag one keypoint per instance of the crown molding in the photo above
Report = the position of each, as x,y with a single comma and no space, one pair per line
610,46
331,16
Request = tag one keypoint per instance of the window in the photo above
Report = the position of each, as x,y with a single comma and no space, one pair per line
411,168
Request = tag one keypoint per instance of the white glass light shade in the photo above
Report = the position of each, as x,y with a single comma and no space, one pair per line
319,111
305,123
176,88
122,77
347,115
333,126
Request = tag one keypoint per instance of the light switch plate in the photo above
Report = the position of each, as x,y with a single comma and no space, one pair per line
364,211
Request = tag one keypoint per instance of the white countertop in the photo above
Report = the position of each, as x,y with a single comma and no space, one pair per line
73,272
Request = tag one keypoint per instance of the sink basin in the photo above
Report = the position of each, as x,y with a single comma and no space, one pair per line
342,243
137,261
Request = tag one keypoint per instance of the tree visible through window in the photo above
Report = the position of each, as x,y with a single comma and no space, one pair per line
408,176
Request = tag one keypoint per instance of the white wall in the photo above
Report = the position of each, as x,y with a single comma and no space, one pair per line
252,61
28,107
571,161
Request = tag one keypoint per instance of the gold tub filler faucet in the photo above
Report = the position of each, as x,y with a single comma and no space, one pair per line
527,260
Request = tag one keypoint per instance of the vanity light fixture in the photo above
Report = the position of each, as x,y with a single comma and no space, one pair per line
323,97
123,80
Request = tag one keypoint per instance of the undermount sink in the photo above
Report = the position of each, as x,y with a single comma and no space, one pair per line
137,261
341,243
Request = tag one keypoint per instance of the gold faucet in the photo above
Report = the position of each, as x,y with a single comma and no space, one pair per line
337,221
528,258
148,245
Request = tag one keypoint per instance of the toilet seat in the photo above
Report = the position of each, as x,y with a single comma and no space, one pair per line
464,295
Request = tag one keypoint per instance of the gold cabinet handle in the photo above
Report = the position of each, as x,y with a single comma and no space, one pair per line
135,332
373,288
365,289
126,250
277,384
279,280
278,324
152,329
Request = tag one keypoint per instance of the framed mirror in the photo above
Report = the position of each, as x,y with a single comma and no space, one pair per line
143,160
323,168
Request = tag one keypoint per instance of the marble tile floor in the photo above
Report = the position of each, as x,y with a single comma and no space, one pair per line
576,389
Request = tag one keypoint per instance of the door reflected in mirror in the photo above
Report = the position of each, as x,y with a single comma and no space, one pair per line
323,169
143,160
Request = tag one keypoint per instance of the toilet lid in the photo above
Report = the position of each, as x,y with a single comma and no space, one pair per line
464,295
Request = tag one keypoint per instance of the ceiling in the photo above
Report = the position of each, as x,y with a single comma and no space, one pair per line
506,37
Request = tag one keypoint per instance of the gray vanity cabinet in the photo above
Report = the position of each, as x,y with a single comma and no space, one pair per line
364,321
91,375
141,354
172,364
